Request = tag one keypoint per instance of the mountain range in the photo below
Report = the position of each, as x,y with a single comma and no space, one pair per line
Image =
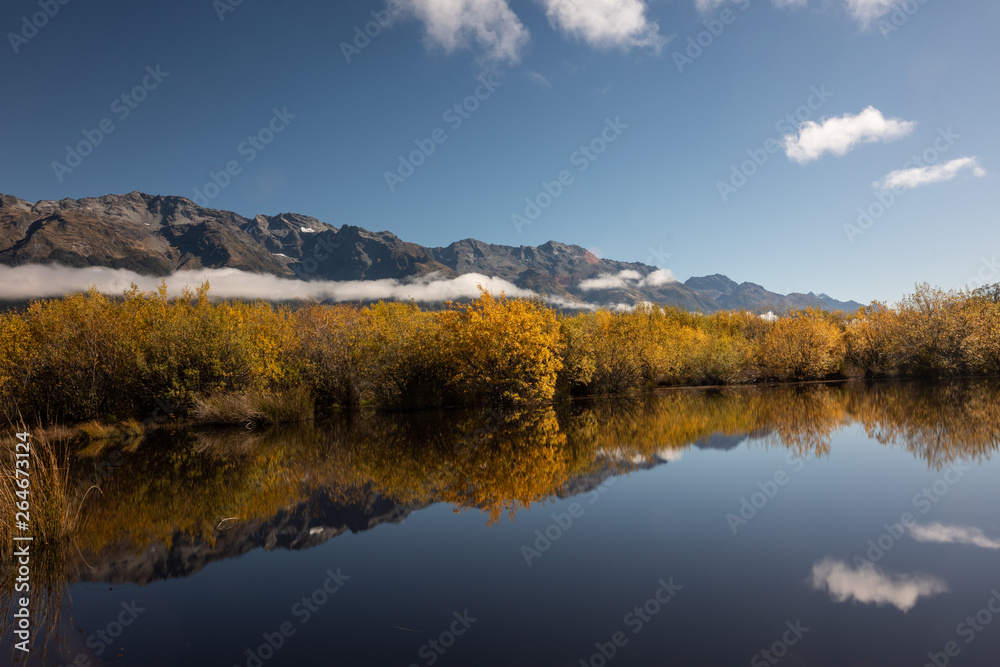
158,235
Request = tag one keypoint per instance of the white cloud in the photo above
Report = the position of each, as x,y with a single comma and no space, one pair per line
841,134
627,278
488,27
868,585
35,281
658,278
781,4
611,281
606,24
868,11
917,176
939,532
538,79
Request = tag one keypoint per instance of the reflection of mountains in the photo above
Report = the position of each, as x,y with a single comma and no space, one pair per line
160,515
311,523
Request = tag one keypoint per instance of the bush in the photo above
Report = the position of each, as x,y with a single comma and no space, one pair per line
807,345
91,357
499,351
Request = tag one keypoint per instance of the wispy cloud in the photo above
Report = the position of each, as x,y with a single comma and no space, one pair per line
538,79
868,585
939,532
841,134
606,24
36,281
487,27
918,176
627,278
867,12
782,4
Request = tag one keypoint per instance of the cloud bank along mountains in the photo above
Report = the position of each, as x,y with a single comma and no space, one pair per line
113,240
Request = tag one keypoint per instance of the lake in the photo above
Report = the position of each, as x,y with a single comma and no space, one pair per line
832,524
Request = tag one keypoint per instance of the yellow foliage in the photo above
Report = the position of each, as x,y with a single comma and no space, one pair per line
89,356
807,345
501,351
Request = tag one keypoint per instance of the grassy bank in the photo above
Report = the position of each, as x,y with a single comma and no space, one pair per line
90,357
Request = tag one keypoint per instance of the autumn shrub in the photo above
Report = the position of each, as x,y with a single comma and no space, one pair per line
400,360
81,360
92,357
612,352
384,354
602,354
499,351
193,345
932,329
717,357
89,356
579,335
873,337
14,346
931,333
804,345
982,345
332,364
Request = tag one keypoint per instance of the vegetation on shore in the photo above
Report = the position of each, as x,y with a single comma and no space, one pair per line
91,357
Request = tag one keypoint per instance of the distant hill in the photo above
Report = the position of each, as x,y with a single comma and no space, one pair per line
158,235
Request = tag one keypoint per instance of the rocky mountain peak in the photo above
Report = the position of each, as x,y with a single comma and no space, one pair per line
156,235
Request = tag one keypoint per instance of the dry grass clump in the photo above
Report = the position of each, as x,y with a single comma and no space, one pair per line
255,408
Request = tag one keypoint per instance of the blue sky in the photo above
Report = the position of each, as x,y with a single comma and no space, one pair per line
671,185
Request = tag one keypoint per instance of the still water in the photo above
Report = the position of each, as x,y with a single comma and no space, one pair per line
813,525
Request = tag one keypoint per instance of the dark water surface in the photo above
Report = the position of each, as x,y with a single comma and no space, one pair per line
826,525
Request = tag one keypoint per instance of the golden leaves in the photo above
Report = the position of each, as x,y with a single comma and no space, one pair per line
89,356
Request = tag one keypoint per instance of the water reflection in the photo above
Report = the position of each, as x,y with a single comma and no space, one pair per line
171,505
217,488
945,534
866,584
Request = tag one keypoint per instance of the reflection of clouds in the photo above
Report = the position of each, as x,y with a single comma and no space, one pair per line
868,585
939,532
665,455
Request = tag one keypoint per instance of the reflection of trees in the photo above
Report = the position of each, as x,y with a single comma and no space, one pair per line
186,485
498,463
801,418
183,486
938,423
